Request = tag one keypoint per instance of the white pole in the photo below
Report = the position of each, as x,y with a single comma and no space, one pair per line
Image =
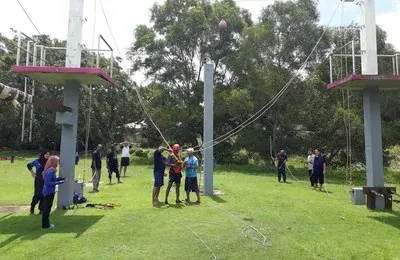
28,46
353,56
98,52
41,56
112,63
31,119
18,49
394,64
330,68
397,64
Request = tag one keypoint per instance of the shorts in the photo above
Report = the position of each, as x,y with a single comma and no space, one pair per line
191,184
125,161
158,179
318,177
175,177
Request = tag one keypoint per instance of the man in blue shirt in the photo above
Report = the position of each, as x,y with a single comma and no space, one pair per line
319,169
281,158
191,165
158,172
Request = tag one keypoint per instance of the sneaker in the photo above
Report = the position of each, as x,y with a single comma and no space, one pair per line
166,202
52,226
178,201
198,202
32,213
120,182
187,201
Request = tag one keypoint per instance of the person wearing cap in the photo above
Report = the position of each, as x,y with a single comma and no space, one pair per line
175,172
125,156
191,184
281,158
96,168
158,173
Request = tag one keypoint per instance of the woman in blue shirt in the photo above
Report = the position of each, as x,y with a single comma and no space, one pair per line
49,188
38,186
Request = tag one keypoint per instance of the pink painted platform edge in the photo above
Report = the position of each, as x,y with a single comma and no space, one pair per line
354,77
51,69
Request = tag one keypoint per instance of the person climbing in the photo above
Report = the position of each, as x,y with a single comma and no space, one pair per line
191,184
49,188
112,164
281,158
96,168
319,169
39,165
175,172
310,164
125,156
158,173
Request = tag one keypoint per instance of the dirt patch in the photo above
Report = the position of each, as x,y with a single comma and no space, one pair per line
12,208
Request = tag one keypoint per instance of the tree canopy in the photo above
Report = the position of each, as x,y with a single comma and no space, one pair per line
253,61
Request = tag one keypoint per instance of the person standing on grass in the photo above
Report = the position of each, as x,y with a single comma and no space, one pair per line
39,165
112,164
281,158
125,157
175,172
96,168
319,169
310,164
191,184
49,188
158,173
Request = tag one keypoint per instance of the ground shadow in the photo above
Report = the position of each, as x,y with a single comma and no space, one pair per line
29,227
217,199
390,220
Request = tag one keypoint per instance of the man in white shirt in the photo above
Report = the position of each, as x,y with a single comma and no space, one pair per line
125,147
310,163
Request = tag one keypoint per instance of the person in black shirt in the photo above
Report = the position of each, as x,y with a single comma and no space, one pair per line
281,158
96,168
112,164
319,169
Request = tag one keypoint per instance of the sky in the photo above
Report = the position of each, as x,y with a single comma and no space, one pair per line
51,17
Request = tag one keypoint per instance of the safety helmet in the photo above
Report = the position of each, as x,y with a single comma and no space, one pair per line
176,148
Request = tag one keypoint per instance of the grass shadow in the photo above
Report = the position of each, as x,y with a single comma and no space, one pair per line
390,220
29,227
217,199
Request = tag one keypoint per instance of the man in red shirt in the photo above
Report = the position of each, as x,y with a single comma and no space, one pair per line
175,172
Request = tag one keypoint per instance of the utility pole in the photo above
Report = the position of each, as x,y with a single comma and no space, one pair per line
208,128
372,107
69,120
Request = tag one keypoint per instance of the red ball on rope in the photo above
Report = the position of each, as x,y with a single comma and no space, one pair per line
222,25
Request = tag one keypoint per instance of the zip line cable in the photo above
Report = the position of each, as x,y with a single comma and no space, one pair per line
256,115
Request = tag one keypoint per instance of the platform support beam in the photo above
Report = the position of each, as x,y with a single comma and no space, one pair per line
372,111
208,128
71,99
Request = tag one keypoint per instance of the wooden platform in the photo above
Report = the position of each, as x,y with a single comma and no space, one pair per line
58,75
358,82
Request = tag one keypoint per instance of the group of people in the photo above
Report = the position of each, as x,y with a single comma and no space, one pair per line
316,164
112,163
45,182
175,164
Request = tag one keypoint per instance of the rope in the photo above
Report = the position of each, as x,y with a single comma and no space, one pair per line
264,241
256,115
287,167
266,107
201,240
27,15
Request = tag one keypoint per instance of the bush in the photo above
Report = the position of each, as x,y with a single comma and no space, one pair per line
140,153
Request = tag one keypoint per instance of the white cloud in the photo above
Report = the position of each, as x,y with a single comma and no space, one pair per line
390,22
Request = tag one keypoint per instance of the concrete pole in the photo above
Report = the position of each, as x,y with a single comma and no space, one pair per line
71,99
372,109
208,128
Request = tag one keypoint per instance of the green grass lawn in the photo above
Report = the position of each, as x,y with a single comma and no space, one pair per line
299,223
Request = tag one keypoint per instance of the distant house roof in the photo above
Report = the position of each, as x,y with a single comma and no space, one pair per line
136,125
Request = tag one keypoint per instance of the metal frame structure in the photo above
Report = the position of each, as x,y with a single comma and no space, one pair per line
42,63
